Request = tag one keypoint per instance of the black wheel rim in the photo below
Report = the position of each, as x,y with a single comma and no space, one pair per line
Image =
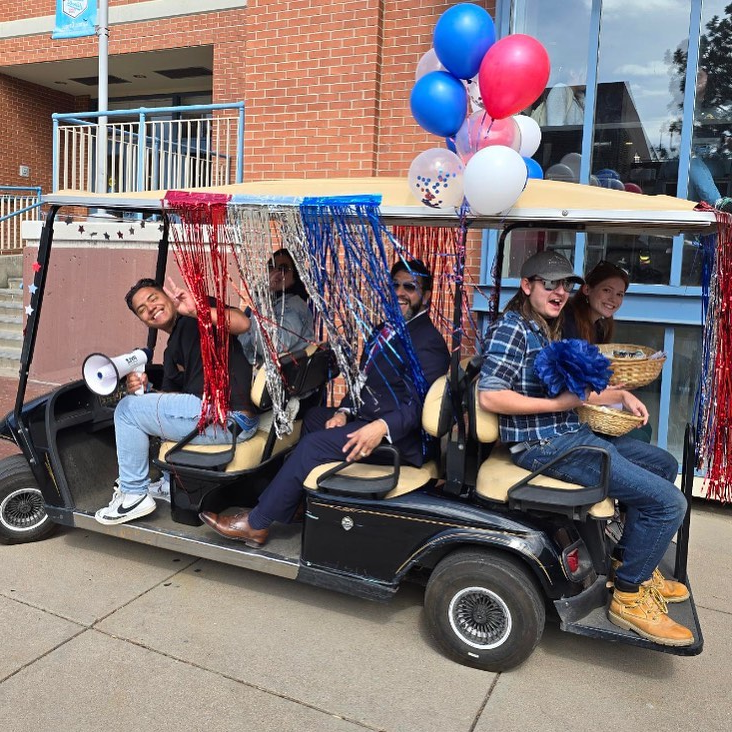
23,510
480,618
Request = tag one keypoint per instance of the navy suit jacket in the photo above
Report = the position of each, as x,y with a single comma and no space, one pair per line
389,392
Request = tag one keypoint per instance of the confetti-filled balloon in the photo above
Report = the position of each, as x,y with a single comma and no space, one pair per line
436,178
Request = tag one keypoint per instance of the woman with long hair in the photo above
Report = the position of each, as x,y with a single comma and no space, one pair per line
589,315
294,318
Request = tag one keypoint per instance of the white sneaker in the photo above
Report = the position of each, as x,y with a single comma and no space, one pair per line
160,489
125,507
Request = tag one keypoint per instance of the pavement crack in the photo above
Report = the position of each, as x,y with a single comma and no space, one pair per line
43,655
248,684
485,702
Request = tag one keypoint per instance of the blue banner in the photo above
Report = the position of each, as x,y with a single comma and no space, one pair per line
75,18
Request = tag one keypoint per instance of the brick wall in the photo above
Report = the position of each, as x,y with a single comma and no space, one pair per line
26,130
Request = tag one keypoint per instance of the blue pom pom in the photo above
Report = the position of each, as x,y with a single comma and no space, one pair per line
572,365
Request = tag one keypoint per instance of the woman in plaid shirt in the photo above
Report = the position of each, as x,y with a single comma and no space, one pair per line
538,428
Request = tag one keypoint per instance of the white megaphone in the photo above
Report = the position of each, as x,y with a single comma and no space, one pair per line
102,373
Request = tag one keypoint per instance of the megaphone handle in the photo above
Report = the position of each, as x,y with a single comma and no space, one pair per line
141,390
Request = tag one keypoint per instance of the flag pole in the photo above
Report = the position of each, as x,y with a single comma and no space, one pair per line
103,102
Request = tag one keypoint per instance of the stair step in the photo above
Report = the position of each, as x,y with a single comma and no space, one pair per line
8,307
11,318
10,340
14,283
9,294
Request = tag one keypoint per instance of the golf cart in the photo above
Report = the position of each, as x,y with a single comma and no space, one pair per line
497,547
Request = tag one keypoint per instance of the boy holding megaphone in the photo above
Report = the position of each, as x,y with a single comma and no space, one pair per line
174,411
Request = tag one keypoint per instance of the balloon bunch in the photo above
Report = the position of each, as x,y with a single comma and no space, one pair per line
469,89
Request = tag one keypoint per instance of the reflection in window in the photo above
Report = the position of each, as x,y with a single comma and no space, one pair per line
687,347
523,243
560,26
709,170
636,102
646,258
643,334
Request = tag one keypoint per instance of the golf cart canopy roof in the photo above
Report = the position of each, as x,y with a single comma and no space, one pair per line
548,203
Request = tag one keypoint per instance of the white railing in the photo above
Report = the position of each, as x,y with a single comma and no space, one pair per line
202,146
17,204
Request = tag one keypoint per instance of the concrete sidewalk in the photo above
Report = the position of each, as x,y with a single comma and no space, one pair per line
100,633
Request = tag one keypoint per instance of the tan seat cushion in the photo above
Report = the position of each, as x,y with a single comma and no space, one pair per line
248,453
498,473
410,478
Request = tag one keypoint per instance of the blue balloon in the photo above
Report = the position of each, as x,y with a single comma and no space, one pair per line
462,36
607,173
534,169
450,144
439,103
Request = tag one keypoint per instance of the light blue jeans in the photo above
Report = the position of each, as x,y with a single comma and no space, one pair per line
641,477
168,416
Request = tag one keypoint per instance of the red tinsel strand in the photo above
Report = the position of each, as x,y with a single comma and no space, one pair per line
715,438
200,252
443,252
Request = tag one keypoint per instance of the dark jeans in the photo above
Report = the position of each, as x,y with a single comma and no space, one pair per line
280,499
641,477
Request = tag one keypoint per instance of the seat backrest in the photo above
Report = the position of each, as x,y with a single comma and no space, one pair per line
437,409
483,425
437,413
302,372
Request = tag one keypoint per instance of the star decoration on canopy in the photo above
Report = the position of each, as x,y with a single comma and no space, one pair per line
32,289
28,309
37,267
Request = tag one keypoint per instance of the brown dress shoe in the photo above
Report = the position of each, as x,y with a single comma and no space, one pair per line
236,527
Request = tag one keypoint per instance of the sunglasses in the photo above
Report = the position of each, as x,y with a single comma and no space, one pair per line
406,286
549,285
282,269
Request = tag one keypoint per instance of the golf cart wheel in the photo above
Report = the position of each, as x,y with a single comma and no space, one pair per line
23,516
484,609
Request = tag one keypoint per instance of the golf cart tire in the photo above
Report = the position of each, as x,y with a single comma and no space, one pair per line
484,609
23,516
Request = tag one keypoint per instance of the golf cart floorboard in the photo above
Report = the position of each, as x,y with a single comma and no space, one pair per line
281,555
596,624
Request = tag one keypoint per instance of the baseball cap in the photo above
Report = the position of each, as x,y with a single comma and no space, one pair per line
549,266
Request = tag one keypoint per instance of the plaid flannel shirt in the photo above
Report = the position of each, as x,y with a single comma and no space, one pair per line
512,345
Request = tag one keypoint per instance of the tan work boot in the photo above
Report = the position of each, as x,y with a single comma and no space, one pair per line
645,613
670,590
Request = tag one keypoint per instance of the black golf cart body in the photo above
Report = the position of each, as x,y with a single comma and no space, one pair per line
494,563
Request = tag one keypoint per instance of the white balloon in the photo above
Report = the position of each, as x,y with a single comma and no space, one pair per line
493,180
530,134
428,63
436,178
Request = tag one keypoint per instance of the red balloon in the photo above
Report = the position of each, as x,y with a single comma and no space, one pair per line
633,188
512,75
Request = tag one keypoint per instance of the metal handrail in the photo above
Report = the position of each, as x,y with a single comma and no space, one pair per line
144,150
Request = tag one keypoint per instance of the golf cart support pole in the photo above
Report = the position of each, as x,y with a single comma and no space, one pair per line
31,331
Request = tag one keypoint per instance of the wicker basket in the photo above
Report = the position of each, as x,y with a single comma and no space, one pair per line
632,373
608,421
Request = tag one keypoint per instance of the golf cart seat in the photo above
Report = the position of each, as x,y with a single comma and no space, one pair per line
389,480
302,373
500,480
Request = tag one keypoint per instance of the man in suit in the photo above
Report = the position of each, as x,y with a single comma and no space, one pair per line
390,409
